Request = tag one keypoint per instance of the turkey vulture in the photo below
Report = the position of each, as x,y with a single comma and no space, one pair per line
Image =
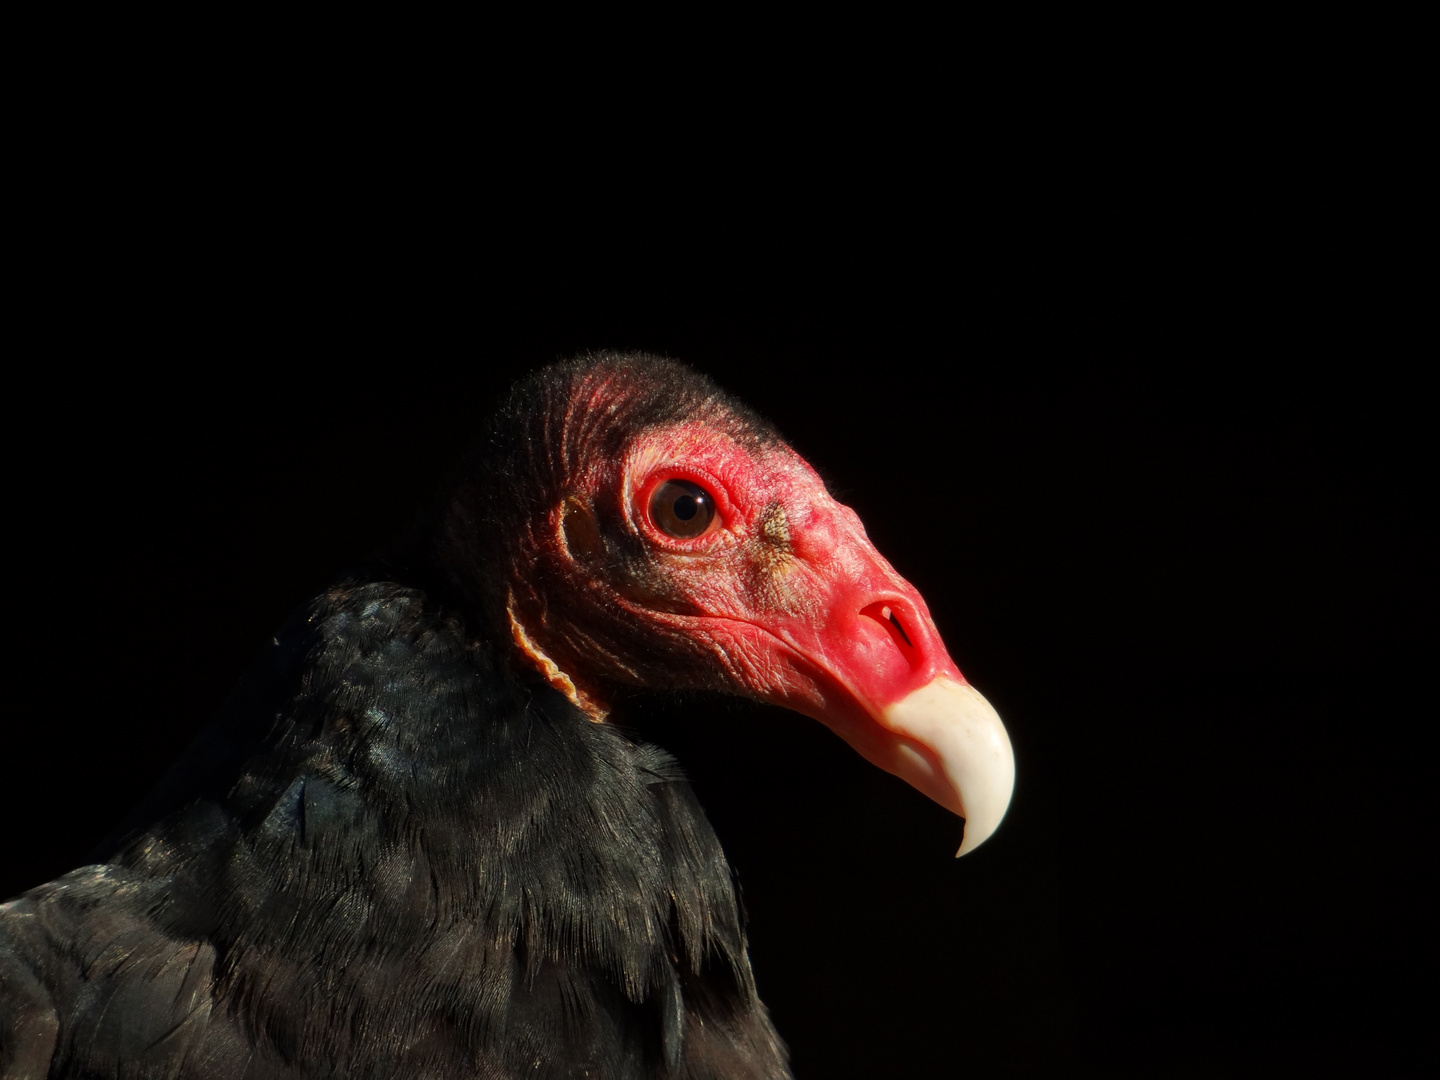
410,844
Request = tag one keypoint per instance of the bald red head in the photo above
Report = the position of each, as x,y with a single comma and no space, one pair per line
680,543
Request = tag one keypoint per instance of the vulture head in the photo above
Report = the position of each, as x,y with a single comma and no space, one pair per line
652,531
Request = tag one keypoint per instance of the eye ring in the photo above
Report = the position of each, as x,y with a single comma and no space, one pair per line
682,509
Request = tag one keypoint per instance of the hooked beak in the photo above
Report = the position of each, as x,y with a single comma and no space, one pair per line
942,738
879,676
953,747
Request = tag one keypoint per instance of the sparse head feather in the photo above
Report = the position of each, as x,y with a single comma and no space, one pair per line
554,426
562,418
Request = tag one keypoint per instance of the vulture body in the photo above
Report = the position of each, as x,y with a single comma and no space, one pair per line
409,845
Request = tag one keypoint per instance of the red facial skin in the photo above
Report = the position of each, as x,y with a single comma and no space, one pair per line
783,598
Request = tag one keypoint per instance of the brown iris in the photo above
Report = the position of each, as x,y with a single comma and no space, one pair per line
682,509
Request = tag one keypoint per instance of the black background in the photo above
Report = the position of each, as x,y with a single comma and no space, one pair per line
1143,437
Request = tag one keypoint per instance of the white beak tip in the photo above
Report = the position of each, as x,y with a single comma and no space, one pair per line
970,839
974,765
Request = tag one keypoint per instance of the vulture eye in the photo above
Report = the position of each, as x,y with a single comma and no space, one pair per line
682,509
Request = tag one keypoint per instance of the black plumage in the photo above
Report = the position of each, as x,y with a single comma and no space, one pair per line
397,852
378,890
405,846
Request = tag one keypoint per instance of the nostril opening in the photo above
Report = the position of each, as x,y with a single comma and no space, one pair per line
890,619
886,613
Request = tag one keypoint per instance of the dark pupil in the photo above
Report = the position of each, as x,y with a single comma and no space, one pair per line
682,509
